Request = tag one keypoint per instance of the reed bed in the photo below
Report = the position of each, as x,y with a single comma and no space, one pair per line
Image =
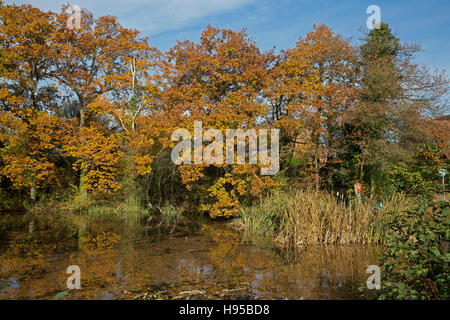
301,217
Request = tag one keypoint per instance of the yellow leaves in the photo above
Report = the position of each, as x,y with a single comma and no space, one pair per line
11,99
225,194
101,181
143,164
130,97
190,174
100,106
318,75
27,140
44,63
98,155
142,147
226,204
25,172
93,243
312,89
219,81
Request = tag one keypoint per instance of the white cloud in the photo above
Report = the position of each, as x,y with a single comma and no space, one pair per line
151,16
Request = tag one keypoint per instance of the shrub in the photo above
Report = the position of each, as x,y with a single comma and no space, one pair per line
416,263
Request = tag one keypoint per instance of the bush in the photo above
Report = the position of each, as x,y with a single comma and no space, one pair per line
416,263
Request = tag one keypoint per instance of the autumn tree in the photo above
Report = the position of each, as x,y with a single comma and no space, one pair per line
135,111
218,81
313,87
92,67
29,144
26,36
51,70
90,60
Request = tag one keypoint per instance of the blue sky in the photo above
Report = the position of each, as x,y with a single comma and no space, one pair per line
276,23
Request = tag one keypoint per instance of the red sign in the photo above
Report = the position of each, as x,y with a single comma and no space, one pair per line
358,187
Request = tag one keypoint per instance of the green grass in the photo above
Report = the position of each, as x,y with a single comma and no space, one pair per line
128,209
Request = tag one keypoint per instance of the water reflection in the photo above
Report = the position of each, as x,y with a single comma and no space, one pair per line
216,261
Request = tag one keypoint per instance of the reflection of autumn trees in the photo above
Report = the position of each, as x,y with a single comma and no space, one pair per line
314,272
235,260
31,263
121,263
99,241
25,262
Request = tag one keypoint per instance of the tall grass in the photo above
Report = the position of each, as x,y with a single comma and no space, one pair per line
128,209
300,217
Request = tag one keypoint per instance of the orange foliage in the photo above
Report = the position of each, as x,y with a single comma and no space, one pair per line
30,140
104,101
98,155
128,97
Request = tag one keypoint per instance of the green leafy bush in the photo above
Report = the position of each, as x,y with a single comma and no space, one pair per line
416,263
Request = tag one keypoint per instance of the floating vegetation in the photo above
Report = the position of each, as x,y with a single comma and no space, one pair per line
99,241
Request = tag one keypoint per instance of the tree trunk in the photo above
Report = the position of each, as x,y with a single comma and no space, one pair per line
31,226
372,186
82,116
33,196
82,123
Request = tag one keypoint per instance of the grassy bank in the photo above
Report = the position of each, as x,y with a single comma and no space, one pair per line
81,209
129,210
300,217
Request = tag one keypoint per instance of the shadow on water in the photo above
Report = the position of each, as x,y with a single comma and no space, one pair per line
202,260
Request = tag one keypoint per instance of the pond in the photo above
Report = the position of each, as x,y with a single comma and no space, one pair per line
201,260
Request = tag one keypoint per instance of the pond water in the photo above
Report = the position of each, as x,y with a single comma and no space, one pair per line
205,259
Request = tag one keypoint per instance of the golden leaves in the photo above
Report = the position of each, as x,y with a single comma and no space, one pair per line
98,154
27,138
227,192
128,98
